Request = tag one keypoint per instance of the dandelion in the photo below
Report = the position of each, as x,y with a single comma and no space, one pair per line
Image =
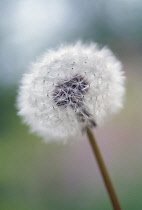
71,90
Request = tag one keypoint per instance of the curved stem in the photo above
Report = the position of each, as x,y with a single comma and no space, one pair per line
103,170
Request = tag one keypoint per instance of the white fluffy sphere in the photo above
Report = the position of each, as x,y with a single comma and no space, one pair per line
69,89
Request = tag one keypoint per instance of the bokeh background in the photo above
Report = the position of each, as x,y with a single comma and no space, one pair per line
38,176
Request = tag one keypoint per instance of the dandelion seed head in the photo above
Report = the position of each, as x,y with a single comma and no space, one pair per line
69,89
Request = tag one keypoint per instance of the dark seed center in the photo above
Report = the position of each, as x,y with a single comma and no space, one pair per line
70,92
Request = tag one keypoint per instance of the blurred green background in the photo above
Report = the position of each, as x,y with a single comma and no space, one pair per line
38,176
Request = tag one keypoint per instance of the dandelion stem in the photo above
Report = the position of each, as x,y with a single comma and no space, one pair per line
103,170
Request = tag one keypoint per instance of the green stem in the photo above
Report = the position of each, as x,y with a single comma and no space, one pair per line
103,170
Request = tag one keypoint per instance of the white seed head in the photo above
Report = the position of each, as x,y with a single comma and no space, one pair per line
70,89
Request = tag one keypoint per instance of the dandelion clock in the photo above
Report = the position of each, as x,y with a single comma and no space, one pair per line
70,91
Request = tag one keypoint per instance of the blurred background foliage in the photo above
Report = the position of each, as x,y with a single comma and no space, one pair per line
38,176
